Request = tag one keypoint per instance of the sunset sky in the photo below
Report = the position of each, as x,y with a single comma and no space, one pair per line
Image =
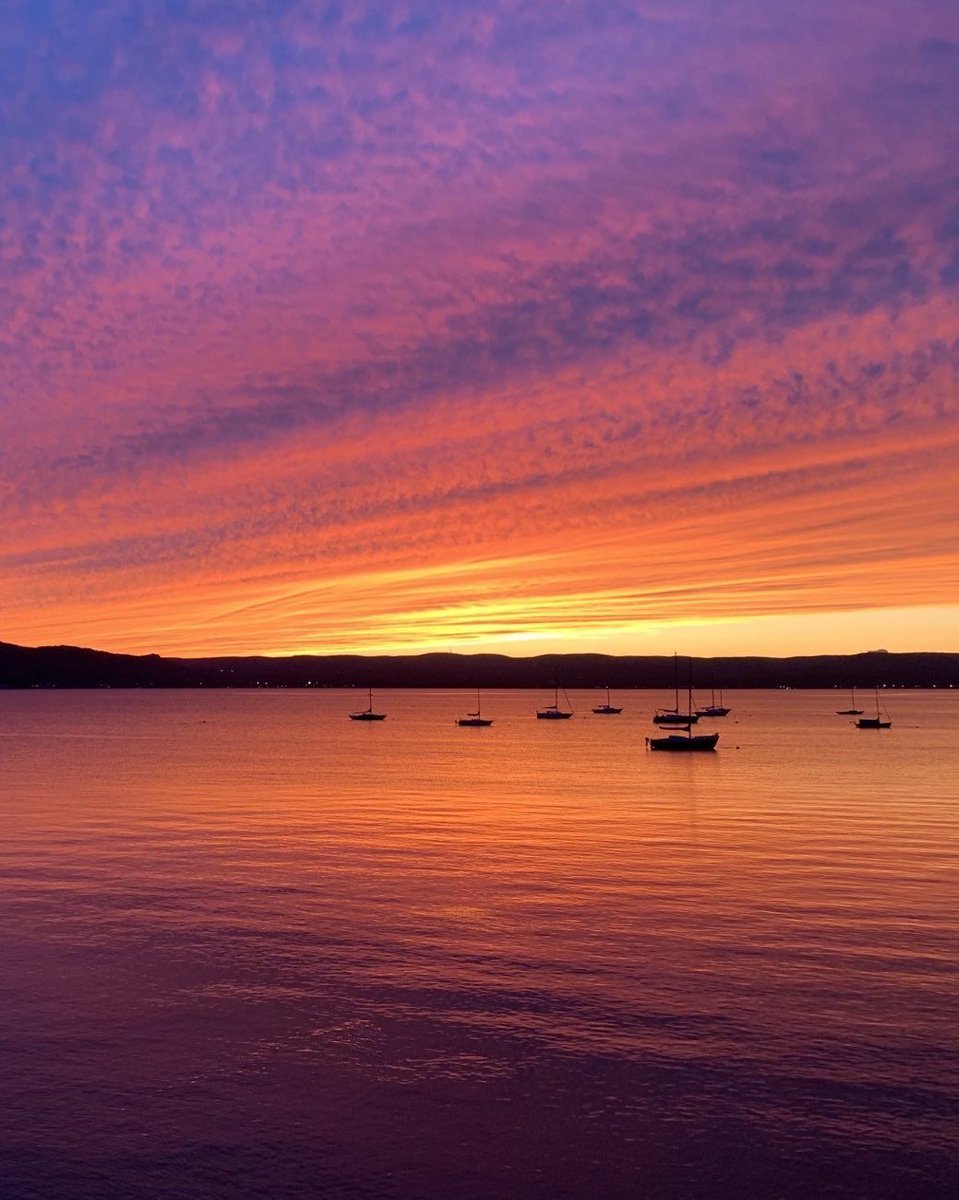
621,326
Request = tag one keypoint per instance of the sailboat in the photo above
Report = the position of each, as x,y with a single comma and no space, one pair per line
368,714
672,716
475,720
553,712
875,722
684,739
712,709
607,709
851,711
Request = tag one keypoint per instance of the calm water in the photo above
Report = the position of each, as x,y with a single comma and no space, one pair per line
252,949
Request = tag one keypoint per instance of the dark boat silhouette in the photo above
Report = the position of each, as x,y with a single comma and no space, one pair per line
368,714
553,712
475,720
672,716
851,711
877,721
712,709
683,740
607,709
676,741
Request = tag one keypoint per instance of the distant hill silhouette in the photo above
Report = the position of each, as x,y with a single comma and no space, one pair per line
74,667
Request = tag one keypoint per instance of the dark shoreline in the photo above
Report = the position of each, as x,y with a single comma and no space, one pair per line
74,667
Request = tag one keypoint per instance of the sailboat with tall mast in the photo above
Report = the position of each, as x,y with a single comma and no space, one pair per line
851,711
367,714
672,716
683,739
712,709
607,709
475,720
553,712
877,721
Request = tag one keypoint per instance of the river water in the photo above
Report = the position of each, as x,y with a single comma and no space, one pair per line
252,949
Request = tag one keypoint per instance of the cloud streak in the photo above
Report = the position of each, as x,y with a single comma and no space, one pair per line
364,326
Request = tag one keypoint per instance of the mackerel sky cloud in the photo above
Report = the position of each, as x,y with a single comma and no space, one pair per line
496,325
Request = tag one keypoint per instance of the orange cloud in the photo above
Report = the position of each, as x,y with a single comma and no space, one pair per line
480,327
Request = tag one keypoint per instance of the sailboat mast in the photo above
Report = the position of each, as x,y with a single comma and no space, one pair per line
689,699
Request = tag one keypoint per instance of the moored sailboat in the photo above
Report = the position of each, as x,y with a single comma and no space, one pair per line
607,709
672,716
712,709
475,720
367,714
877,721
676,741
683,739
851,711
553,712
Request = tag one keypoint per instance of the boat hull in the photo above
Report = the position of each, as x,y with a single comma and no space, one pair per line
713,710
872,723
367,716
675,719
552,714
848,712
607,710
684,745
474,722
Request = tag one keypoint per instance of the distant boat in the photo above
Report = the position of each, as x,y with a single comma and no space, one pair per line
368,714
685,740
672,716
553,712
475,720
676,741
851,711
875,722
712,709
607,709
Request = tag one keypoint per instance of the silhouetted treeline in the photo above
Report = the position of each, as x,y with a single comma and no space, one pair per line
71,667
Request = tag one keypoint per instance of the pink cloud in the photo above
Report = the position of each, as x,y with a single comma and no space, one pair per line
288,302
